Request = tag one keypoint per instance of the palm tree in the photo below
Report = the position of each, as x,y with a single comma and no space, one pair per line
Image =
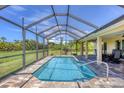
3,39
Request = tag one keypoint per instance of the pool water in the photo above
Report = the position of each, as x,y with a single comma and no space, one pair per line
63,69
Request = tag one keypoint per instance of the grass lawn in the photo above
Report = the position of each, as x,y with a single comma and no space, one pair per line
57,52
8,65
54,52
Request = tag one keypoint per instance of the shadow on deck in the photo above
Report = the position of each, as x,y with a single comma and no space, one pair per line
116,70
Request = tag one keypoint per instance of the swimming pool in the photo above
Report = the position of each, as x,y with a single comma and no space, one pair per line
64,69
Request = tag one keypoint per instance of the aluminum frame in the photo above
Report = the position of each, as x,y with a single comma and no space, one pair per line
71,35
62,31
62,34
54,14
50,28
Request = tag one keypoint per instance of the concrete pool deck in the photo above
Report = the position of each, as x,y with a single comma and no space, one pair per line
24,79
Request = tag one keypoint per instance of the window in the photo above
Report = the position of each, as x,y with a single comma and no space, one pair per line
104,47
122,44
118,44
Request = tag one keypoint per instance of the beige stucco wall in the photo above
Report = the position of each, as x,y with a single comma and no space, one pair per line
111,43
109,35
115,28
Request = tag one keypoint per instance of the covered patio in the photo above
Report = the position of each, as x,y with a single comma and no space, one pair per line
72,32
105,39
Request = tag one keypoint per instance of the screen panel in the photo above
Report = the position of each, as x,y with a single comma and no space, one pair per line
10,48
62,19
29,12
44,25
80,25
97,14
60,8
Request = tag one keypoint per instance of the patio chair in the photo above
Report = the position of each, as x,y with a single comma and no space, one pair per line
122,56
116,56
114,51
111,56
105,57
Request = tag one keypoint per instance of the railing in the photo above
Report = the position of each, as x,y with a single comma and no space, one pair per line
99,63
10,56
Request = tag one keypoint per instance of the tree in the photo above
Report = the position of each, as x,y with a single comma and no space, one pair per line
3,39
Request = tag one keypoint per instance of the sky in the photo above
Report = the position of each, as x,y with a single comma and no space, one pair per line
98,15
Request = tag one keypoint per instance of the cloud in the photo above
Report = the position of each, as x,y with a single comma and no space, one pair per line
47,33
47,23
55,40
52,40
52,30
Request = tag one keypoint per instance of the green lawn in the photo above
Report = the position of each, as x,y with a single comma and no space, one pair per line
57,52
8,65
6,53
54,52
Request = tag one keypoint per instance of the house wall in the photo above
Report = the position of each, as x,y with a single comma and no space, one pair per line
115,28
111,43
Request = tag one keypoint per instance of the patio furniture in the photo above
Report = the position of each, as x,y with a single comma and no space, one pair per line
106,57
122,56
116,55
113,58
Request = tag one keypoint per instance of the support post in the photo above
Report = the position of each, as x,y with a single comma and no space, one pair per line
23,43
99,49
82,48
61,42
70,43
86,50
36,45
47,47
76,47
95,46
43,47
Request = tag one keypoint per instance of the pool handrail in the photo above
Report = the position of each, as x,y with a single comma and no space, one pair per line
100,62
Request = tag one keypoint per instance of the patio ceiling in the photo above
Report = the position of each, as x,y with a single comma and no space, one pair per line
55,20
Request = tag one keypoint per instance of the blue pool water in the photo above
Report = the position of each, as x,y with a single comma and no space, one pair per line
63,69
